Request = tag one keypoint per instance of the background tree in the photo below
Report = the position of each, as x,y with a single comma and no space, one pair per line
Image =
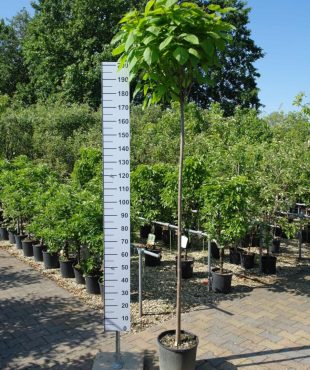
13,71
65,43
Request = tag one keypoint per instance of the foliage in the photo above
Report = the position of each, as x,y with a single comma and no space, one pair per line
235,78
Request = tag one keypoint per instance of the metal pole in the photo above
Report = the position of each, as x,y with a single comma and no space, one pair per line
118,363
209,265
140,283
300,241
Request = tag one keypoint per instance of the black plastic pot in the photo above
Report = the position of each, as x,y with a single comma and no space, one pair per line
186,267
166,236
18,241
234,256
38,252
221,283
66,269
92,285
215,252
27,247
275,248
51,260
247,260
145,230
176,359
158,231
79,278
4,233
150,260
269,264
11,237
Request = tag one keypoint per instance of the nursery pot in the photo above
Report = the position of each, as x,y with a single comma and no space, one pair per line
269,264
158,231
18,241
166,236
78,273
11,237
4,233
150,260
66,268
51,260
92,285
27,247
38,252
234,256
275,248
221,283
186,266
247,260
215,252
145,231
171,358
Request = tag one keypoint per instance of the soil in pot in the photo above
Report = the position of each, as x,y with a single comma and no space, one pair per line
234,256
145,230
215,252
51,260
247,260
38,252
269,264
186,267
18,240
92,285
78,274
275,247
66,268
27,247
177,358
4,235
150,260
221,282
11,237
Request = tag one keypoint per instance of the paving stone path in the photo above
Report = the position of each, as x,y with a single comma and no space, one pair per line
42,326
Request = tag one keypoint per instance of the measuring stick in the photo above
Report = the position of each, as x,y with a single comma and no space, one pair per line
116,196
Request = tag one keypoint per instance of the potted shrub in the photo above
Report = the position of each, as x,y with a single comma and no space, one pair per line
248,257
169,46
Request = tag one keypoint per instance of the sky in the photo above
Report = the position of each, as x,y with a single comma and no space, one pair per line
282,29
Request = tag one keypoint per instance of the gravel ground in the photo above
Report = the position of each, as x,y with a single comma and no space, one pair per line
159,283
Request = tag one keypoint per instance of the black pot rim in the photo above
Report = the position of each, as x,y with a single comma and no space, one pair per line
216,270
51,253
172,349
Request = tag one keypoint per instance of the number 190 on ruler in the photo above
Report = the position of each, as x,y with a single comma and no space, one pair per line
116,196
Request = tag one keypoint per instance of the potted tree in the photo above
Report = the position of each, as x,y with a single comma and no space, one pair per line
226,218
168,47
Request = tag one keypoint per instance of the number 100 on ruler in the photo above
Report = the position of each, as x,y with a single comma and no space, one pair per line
116,196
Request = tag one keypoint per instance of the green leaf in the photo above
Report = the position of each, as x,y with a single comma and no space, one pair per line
130,40
154,30
119,50
214,7
170,3
181,55
148,39
149,6
194,52
191,38
165,43
150,55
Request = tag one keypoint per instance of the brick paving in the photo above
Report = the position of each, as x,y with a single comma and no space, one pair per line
42,326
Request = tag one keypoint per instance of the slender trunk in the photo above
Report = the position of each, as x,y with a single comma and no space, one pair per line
221,260
178,313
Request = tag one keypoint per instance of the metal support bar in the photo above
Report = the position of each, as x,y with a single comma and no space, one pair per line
209,266
118,363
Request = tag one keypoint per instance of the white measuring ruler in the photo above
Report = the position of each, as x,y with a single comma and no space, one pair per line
116,196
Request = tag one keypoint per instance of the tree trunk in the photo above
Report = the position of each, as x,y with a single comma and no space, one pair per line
179,281
221,260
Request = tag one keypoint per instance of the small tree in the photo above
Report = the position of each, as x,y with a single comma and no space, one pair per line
168,47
